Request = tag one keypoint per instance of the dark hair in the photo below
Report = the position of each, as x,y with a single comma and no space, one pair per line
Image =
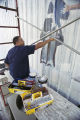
15,39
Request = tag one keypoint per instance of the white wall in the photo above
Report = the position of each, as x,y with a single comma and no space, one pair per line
67,63
61,77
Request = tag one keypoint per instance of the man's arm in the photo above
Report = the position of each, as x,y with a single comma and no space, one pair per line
41,44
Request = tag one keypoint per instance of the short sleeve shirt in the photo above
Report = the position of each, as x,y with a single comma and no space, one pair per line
18,60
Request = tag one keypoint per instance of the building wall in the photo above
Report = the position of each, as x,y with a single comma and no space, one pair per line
64,77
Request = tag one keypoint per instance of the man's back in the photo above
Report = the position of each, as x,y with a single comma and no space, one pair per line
18,61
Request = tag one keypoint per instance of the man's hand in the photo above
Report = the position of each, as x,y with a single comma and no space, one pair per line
41,44
51,39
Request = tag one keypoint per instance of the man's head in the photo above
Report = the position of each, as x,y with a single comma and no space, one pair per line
18,41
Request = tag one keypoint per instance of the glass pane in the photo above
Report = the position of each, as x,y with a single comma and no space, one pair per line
7,34
8,3
7,18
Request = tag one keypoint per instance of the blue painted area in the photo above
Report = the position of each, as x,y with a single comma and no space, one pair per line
51,24
50,9
59,6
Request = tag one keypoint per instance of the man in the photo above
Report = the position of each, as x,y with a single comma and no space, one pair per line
17,58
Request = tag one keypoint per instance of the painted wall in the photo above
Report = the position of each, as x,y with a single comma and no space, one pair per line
64,77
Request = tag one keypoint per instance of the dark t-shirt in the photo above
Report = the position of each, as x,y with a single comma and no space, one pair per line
18,60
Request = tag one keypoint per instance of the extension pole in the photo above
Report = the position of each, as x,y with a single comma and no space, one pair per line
50,33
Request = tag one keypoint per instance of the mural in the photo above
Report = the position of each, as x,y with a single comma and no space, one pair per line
57,11
49,51
71,5
60,64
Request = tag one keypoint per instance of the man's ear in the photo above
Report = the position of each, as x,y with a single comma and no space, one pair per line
17,43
